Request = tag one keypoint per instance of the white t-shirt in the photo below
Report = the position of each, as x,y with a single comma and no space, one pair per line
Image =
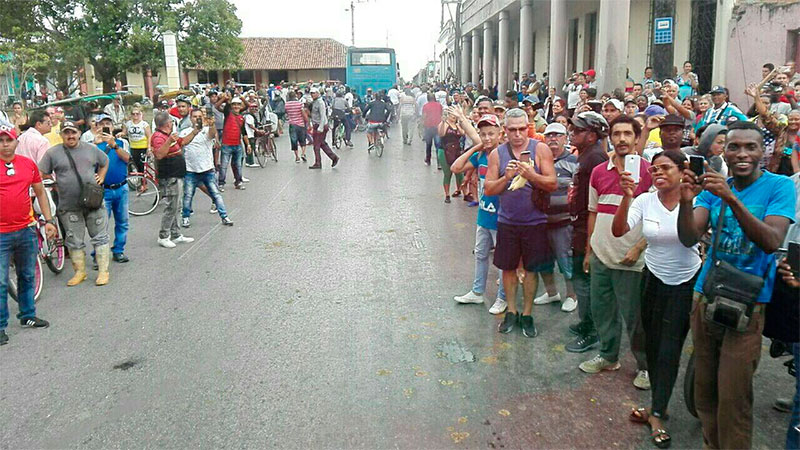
249,125
198,154
665,256
394,96
441,97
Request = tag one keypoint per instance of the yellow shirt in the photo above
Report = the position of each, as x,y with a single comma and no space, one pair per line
54,136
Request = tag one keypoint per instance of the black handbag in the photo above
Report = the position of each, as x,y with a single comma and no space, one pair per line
92,194
731,293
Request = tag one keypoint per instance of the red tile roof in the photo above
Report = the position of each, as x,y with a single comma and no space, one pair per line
292,54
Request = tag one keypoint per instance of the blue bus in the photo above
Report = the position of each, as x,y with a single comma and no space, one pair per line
372,67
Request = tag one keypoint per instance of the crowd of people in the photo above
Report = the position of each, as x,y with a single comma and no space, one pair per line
663,209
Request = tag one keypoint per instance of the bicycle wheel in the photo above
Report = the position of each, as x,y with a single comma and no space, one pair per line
56,255
688,386
272,149
379,145
144,195
261,152
335,139
38,281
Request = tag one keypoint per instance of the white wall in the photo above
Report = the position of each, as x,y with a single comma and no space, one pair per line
638,37
683,32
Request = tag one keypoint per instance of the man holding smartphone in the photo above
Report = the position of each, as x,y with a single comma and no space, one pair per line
616,263
115,184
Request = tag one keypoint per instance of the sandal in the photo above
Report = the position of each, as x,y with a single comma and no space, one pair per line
456,193
661,438
639,415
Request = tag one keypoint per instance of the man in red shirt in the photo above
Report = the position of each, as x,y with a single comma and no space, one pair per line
17,233
431,116
232,133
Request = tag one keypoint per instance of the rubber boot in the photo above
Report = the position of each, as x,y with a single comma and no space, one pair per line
102,253
78,258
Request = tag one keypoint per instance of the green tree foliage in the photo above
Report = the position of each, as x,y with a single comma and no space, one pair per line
119,35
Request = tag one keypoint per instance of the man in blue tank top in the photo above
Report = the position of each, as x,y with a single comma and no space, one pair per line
521,226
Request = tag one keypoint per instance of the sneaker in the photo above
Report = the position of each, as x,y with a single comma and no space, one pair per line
499,307
245,180
472,204
582,344
251,165
447,199
120,258
239,186
222,188
185,222
508,322
34,322
469,297
569,304
213,210
642,380
528,328
575,329
166,243
598,364
547,298
3,337
227,221
182,239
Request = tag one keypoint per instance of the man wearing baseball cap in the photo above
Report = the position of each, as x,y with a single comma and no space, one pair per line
559,223
90,166
531,106
670,132
18,175
477,157
722,112
233,134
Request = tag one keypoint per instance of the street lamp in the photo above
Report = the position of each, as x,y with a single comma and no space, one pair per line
352,10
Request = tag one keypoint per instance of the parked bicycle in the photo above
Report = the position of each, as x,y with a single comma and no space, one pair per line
143,186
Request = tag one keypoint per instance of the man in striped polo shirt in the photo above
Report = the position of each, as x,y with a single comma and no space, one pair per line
298,118
559,223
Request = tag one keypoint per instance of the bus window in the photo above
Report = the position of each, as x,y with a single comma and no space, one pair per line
370,59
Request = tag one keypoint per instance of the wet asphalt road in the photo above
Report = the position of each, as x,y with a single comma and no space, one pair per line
323,319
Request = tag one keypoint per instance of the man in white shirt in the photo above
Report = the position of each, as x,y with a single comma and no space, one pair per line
116,112
407,109
200,171
32,143
441,96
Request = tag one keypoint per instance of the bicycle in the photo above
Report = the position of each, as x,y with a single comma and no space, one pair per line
338,134
144,188
378,136
265,145
51,251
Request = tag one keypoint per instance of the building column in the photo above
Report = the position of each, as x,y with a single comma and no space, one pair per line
503,52
722,33
465,47
488,55
526,36
612,55
476,57
558,46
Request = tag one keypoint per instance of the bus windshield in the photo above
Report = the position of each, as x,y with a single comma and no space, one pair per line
371,58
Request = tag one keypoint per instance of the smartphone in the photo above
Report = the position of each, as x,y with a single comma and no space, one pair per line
697,164
525,156
793,258
199,124
632,165
106,130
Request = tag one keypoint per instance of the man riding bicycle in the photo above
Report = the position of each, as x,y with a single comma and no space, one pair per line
377,114
340,111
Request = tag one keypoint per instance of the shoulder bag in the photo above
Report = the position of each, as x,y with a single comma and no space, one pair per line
92,194
731,293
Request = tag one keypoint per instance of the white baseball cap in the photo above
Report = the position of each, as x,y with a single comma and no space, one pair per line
555,127
236,100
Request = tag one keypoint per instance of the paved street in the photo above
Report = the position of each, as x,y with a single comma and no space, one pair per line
323,319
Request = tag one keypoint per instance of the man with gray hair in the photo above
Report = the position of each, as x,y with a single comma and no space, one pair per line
171,167
521,223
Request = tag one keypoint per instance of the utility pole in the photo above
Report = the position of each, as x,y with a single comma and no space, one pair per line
352,10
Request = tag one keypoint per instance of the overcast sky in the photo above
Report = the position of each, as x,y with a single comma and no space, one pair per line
412,25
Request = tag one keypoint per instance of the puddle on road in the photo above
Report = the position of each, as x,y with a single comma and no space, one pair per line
455,352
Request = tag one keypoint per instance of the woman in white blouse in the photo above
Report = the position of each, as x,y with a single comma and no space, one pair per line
670,274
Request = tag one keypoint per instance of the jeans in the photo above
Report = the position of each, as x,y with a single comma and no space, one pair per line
793,435
170,191
431,139
616,292
349,125
231,155
23,245
724,363
581,282
191,181
484,241
407,124
117,205
297,136
665,318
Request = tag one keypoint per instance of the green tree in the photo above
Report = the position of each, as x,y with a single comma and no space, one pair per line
24,54
119,35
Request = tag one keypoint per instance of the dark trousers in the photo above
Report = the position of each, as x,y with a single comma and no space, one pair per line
581,281
430,140
319,143
665,317
725,361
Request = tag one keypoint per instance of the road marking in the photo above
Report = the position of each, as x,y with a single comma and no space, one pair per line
206,237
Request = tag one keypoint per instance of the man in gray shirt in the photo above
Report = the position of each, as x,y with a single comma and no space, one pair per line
319,129
91,165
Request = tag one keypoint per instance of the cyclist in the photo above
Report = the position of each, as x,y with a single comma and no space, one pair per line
377,114
339,113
